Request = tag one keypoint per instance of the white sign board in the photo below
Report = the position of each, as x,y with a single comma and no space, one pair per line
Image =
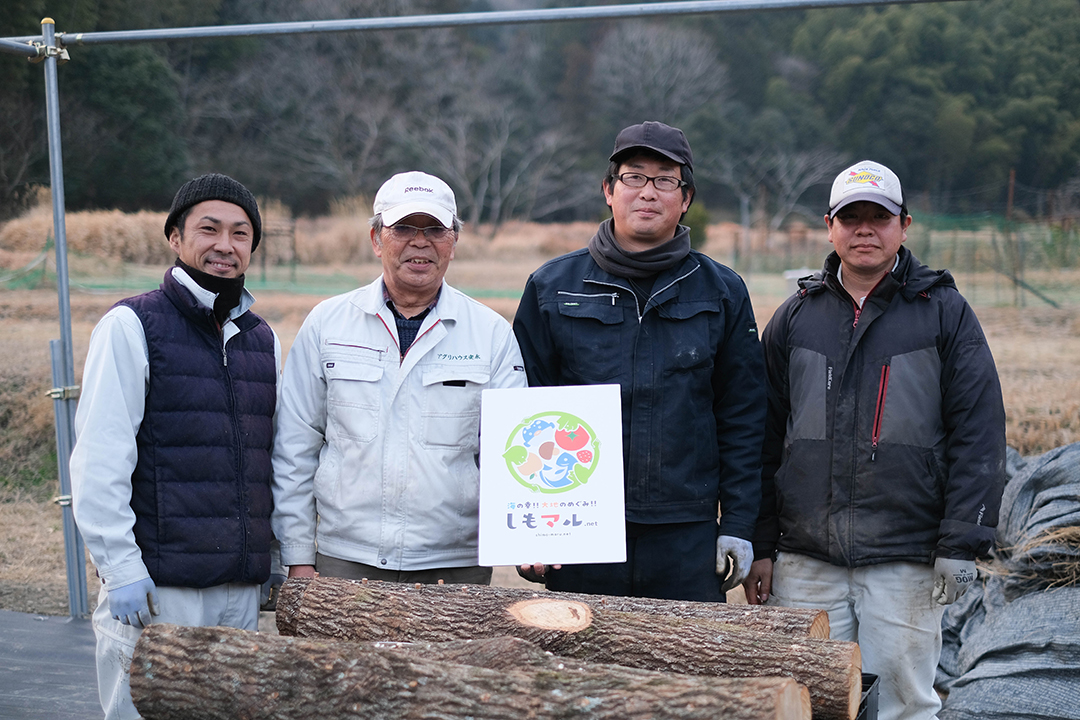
551,476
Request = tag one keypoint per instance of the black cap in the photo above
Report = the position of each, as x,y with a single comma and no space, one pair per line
658,137
214,186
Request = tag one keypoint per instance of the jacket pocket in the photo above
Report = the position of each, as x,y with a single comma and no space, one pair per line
451,414
352,398
690,336
592,331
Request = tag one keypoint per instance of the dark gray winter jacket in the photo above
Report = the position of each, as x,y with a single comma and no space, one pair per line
886,430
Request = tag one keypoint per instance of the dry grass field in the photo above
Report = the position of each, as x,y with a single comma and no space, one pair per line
1035,348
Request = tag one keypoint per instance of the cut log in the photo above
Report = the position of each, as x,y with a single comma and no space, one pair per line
183,673
788,621
764,618
373,611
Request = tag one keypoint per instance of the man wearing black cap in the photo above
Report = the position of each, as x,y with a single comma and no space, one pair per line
171,466
884,459
675,329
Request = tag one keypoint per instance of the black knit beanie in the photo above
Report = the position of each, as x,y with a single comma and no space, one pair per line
215,186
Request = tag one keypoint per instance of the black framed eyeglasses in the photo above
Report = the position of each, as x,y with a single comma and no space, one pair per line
433,233
661,182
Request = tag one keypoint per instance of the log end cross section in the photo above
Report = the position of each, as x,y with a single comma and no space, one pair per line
550,614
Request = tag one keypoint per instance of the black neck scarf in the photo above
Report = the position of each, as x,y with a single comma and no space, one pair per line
612,258
228,290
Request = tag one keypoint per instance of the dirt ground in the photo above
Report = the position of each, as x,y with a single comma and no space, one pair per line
1035,349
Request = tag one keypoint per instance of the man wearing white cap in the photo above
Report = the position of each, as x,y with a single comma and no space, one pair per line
377,434
884,457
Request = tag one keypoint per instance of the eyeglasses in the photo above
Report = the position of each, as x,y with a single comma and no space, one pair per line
433,233
662,182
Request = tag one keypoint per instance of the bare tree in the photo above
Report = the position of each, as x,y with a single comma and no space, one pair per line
23,143
743,173
493,137
654,71
316,114
792,173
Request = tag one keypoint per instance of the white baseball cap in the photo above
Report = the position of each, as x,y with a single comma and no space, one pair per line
408,193
867,180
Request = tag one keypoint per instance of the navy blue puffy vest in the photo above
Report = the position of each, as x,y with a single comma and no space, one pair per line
201,487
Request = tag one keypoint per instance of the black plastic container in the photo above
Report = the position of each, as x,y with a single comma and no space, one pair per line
868,707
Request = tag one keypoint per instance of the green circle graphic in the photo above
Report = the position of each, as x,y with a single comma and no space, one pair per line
552,452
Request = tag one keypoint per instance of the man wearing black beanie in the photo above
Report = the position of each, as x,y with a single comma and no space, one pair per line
174,429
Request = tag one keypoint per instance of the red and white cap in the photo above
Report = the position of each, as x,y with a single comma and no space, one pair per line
409,193
870,181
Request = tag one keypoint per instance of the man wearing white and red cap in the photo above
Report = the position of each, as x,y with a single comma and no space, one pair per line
174,431
884,457
377,436
676,331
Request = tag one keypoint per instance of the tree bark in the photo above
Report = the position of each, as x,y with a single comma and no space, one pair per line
183,673
584,630
764,618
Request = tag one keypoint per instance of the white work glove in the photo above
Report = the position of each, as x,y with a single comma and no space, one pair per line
134,604
735,554
952,578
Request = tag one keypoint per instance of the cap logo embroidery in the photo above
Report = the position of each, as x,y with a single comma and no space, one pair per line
863,177
417,189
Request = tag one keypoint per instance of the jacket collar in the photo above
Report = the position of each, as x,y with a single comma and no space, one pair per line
910,278
370,299
206,298
689,264
197,303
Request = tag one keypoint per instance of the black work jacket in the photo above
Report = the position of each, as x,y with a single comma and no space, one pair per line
689,364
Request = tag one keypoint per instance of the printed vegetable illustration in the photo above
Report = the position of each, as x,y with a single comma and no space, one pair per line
531,465
572,439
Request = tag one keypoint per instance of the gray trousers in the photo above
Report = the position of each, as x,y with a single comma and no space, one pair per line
234,606
888,610
334,567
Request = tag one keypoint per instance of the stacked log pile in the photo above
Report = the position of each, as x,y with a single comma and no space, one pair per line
385,650
182,673
579,627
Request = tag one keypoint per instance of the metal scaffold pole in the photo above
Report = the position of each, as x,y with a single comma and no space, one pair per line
64,392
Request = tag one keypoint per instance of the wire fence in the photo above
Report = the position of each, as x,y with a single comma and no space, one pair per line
994,261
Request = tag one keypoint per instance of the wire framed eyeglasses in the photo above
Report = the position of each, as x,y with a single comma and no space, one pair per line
665,183
405,233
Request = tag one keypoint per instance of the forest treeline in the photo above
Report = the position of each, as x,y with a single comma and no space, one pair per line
519,119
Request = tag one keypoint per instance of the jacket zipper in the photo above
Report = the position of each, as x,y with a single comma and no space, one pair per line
358,347
614,296
239,450
883,386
